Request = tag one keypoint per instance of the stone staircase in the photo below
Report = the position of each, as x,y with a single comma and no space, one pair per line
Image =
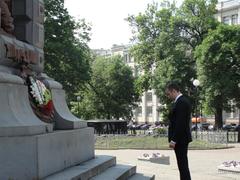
102,167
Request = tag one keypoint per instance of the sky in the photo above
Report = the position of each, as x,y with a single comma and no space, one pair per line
107,19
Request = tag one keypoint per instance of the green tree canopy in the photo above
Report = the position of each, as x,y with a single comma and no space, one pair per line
218,60
66,53
195,18
111,92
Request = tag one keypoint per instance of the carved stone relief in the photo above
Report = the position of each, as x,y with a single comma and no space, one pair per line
6,18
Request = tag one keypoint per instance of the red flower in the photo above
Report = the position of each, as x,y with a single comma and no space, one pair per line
48,108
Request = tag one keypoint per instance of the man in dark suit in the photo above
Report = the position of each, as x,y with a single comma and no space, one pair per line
179,133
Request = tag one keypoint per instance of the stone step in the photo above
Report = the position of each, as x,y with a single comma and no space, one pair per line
139,176
118,172
86,169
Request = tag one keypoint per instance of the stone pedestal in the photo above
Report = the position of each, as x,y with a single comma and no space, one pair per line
29,148
63,117
16,115
38,156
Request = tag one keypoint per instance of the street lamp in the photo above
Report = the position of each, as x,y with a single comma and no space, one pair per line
196,83
239,120
239,109
78,100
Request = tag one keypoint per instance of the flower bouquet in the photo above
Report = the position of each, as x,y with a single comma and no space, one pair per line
144,157
230,166
155,158
41,99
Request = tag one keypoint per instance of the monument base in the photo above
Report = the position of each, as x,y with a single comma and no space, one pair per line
38,156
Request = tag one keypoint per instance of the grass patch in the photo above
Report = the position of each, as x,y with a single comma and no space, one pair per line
146,142
204,145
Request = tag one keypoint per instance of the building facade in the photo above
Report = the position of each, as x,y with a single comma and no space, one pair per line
228,12
148,108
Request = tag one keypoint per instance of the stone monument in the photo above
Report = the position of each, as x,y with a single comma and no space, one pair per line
39,137
33,145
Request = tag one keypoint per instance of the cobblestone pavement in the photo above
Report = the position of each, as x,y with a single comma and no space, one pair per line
203,163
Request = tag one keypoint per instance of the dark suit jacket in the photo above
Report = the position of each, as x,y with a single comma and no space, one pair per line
179,122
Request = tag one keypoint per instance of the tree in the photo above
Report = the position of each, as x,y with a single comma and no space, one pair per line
176,66
66,53
195,18
167,38
110,93
148,26
218,61
160,45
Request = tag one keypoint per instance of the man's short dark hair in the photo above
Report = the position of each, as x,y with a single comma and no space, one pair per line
173,86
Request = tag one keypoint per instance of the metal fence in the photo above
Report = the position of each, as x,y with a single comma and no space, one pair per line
232,137
202,139
222,137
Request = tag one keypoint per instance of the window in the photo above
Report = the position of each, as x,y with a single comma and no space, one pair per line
126,58
139,111
130,59
136,72
149,97
226,20
235,19
149,111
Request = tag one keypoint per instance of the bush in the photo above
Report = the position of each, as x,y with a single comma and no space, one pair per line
160,130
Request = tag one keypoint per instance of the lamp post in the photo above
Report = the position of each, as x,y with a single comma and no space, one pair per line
239,119
196,83
78,101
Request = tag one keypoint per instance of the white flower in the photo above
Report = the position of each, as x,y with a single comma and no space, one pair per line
38,89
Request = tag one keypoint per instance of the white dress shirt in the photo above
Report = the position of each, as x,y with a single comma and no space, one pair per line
178,97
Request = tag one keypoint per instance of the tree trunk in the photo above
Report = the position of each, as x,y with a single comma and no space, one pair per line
239,135
218,117
108,116
239,124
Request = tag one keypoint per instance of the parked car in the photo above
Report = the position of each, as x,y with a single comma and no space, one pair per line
138,126
211,127
237,128
199,127
205,126
227,127
145,126
233,126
